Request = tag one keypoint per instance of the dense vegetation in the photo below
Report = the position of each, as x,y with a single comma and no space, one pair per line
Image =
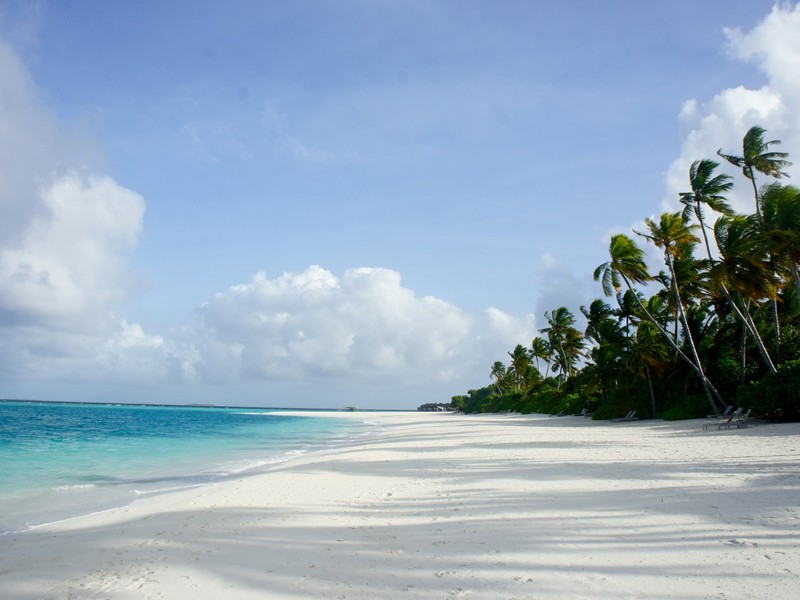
718,325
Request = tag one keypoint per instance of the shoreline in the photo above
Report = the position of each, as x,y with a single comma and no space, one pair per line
65,483
448,505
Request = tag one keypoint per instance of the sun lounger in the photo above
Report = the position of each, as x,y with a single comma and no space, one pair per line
744,421
726,423
582,413
631,416
722,415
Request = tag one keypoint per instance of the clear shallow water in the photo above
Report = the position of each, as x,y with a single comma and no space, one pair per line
63,460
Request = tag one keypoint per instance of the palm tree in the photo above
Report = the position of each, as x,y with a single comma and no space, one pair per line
649,354
676,238
541,349
627,303
756,156
498,373
608,355
566,342
520,361
707,190
596,314
627,265
744,265
781,207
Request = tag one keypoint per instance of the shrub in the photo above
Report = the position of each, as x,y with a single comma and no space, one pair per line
689,406
775,396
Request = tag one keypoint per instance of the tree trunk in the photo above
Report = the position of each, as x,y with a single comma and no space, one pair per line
795,277
755,193
776,324
652,395
688,333
748,324
675,347
751,327
743,356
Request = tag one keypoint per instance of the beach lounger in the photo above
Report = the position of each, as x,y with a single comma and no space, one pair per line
726,423
631,416
737,418
722,415
582,413
744,421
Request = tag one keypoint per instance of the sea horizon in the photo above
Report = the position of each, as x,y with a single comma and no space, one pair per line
207,405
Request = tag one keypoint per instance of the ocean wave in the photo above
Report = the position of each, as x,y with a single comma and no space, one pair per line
76,486
165,490
238,467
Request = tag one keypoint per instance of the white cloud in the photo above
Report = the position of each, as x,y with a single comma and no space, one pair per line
363,325
68,268
130,355
66,238
509,330
774,45
30,145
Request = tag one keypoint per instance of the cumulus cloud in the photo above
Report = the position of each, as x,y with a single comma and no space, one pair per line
66,238
774,45
363,325
68,267
30,145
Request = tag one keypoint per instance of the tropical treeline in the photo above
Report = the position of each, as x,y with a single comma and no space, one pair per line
718,324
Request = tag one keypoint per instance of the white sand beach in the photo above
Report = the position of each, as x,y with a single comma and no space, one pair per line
454,506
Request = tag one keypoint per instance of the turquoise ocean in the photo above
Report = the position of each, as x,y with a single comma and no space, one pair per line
61,460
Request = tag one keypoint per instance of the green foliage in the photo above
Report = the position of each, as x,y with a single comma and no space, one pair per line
711,324
775,396
790,343
477,401
457,403
508,402
690,406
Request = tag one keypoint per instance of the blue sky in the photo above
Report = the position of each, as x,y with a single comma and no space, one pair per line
328,203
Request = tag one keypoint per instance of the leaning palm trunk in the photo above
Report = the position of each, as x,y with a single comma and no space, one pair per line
688,332
744,315
566,371
675,347
743,355
747,318
777,326
752,178
652,394
760,215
